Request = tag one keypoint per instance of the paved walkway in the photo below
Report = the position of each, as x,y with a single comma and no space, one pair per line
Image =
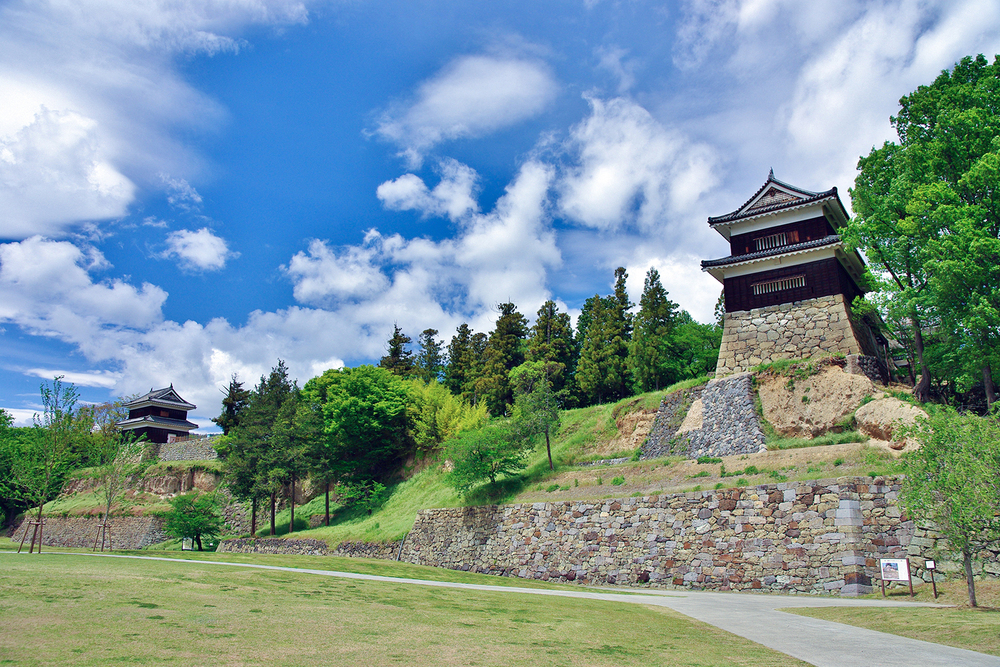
754,616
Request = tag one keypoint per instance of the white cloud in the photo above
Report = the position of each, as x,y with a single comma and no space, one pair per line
46,287
453,196
22,417
322,276
198,251
56,171
850,87
180,193
613,60
471,97
92,94
105,379
629,168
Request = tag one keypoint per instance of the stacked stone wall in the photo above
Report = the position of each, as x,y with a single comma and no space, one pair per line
730,424
191,449
126,532
822,536
379,550
795,330
273,545
808,537
669,416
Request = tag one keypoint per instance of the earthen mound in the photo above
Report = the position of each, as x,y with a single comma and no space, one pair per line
805,407
882,418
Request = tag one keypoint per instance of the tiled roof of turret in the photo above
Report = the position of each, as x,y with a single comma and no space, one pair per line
165,396
781,199
773,252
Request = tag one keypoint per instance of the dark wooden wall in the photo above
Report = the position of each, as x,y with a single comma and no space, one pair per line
823,278
809,230
157,411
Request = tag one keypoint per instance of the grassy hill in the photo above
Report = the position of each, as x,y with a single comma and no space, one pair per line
598,432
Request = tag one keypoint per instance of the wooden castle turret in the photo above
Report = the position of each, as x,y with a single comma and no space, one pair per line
789,279
160,415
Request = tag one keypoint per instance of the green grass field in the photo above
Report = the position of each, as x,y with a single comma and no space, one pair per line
79,610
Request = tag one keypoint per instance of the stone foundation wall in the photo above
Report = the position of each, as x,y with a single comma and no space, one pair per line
796,330
127,532
809,537
379,550
823,536
273,545
669,416
193,449
729,421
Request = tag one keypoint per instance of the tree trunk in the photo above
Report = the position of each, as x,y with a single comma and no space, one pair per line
548,448
291,500
922,391
197,539
991,396
273,503
327,519
967,562
253,518
41,526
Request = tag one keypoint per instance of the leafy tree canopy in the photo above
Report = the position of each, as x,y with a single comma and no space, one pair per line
953,481
364,412
194,516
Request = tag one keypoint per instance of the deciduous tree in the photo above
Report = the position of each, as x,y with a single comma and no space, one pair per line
193,515
953,480
486,454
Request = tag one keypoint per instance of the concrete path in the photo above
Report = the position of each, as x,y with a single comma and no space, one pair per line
753,616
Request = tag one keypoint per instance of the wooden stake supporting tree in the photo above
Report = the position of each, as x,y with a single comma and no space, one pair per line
103,535
38,529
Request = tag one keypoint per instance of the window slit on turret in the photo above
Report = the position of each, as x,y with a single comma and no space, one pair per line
771,241
778,285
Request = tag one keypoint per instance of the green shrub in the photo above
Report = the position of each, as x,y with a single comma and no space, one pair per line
618,481
742,481
552,487
703,473
709,459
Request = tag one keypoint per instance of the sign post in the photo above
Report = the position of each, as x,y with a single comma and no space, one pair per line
931,566
895,569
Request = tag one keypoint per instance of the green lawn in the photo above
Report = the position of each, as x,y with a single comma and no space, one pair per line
79,610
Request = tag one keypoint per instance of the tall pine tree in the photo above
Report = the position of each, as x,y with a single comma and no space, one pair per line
504,351
551,341
430,362
235,402
457,370
398,359
649,349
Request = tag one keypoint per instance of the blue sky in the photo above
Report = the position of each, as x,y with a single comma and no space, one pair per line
190,188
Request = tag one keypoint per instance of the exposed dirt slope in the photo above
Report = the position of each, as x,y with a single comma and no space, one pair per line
805,407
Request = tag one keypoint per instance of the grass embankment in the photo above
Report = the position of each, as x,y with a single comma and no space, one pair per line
91,503
78,610
961,626
583,432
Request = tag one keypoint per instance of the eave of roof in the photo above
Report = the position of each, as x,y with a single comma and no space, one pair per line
150,420
733,260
